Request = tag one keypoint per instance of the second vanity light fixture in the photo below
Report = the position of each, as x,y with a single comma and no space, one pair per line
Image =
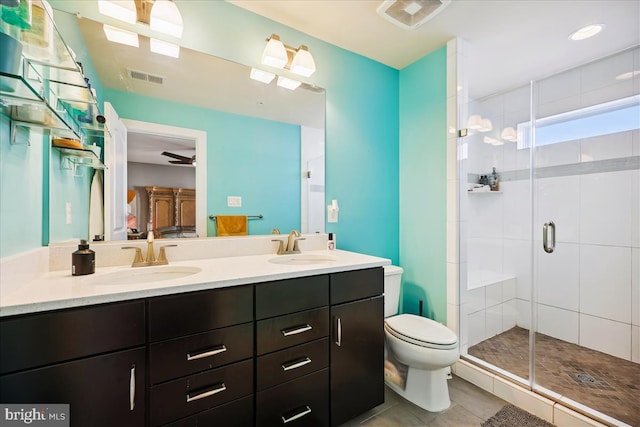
163,16
278,55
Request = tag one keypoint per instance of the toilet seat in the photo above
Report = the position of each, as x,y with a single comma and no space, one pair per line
421,331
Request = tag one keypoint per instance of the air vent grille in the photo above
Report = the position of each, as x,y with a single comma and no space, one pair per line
145,77
410,14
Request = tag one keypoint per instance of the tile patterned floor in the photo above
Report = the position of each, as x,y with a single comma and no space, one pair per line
470,406
605,383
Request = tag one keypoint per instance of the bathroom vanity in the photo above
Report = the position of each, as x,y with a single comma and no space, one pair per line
288,345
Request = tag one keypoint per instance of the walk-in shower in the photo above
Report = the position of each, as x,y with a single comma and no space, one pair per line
550,243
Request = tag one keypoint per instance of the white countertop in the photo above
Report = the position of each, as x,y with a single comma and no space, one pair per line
59,289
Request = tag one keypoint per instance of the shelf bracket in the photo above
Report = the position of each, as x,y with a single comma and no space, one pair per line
15,126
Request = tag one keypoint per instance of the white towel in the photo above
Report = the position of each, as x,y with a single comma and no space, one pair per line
96,207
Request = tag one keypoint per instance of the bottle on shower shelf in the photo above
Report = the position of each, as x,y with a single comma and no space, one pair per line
494,180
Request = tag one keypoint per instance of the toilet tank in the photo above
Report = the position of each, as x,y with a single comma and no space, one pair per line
392,282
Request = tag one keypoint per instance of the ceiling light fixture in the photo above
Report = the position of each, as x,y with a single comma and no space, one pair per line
474,122
586,32
485,125
262,76
278,55
165,48
166,18
121,36
509,134
120,10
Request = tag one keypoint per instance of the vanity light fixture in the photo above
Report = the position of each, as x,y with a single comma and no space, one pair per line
121,36
474,122
262,76
485,125
166,18
288,83
278,55
120,10
492,141
165,48
509,134
586,32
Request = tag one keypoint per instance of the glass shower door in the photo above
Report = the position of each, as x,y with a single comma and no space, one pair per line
586,185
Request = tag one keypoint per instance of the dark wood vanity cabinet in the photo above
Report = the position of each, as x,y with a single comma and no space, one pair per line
200,355
93,359
357,343
302,352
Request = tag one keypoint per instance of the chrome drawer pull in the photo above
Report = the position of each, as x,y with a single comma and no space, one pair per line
296,330
217,350
305,411
339,334
220,388
132,388
296,364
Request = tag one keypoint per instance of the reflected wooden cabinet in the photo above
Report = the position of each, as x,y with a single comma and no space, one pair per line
171,207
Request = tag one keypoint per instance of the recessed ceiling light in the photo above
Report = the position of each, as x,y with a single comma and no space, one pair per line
586,32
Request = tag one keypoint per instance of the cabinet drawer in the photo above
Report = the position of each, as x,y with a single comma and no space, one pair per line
189,395
357,284
238,413
293,329
306,397
42,339
291,295
195,353
177,315
98,389
291,363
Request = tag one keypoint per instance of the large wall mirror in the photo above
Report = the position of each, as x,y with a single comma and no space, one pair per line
264,143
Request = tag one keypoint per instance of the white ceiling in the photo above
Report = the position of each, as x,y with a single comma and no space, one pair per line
509,41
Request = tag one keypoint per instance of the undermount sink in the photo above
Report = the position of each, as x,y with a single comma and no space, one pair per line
138,275
303,259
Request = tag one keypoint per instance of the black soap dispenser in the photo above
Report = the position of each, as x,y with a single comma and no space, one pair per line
83,261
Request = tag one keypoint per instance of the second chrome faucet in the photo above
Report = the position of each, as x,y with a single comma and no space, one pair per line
151,257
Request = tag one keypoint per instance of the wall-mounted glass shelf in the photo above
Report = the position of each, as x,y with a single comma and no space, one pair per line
80,157
51,92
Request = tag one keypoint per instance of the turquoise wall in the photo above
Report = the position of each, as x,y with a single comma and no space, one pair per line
423,184
256,159
21,182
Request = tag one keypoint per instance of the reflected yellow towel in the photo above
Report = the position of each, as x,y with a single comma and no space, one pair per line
231,225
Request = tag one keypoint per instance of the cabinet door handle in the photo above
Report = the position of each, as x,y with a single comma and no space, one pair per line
338,332
298,363
218,388
296,330
220,349
299,413
132,388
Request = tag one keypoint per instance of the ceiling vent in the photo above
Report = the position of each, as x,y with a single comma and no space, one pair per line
410,14
145,77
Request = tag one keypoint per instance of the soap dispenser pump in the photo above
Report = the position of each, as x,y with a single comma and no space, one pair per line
83,261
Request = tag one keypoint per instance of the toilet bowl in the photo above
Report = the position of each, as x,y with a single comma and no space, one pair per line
425,346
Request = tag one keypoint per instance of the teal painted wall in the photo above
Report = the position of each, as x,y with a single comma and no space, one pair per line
423,185
239,149
21,182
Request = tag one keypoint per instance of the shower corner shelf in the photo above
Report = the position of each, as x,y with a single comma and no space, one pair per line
485,192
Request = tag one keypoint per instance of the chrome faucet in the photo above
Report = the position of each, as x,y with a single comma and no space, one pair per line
151,257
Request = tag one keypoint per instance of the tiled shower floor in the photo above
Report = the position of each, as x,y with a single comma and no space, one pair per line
602,382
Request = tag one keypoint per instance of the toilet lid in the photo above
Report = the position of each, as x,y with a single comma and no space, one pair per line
421,330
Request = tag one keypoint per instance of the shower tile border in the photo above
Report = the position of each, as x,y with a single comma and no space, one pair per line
574,169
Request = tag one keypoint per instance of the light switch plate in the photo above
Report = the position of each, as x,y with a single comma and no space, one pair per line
332,214
234,201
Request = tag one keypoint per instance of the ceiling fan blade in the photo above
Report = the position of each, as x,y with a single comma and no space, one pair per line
176,156
181,162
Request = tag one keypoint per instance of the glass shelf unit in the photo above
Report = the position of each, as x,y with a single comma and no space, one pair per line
80,157
50,92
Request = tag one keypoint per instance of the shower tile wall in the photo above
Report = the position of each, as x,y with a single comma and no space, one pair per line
589,289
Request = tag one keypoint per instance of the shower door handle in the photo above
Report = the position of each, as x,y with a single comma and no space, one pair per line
549,227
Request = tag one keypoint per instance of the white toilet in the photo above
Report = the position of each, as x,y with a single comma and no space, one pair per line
427,347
